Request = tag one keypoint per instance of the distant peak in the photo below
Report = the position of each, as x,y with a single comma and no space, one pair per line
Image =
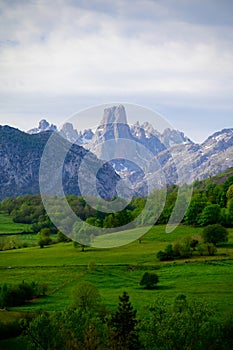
114,114
44,125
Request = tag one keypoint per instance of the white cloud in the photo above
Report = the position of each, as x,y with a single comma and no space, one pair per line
102,48
96,62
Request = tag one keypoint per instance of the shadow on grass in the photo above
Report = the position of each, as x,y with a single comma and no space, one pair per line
158,288
165,287
225,245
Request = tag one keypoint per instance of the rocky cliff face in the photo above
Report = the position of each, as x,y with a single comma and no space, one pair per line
112,126
20,155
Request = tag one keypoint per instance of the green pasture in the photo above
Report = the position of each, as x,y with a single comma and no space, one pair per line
7,226
114,270
211,280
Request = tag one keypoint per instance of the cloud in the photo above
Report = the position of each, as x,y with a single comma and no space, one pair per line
102,48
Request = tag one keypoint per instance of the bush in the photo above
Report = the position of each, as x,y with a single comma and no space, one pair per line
44,237
168,253
44,241
215,234
149,280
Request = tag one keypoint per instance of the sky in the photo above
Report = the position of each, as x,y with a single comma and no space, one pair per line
172,56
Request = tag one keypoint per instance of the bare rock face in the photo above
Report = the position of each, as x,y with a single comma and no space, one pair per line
112,126
115,114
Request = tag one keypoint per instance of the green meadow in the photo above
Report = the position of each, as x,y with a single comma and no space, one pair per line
7,226
114,270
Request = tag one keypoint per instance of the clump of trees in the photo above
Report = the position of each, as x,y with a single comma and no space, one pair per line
211,204
16,295
180,250
187,324
187,247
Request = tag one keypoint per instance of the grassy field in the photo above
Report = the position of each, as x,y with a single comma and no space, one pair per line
7,226
118,269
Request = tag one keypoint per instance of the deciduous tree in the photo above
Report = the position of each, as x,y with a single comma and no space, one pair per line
215,234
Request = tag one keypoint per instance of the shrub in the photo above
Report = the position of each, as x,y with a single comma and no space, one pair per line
149,280
44,237
168,253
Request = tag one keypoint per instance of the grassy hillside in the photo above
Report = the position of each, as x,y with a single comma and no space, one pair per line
118,269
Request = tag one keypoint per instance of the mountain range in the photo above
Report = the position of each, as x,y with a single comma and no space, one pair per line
125,147
171,147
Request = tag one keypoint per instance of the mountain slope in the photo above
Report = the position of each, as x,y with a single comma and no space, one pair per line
20,156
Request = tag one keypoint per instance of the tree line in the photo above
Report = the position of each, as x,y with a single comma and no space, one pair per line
210,204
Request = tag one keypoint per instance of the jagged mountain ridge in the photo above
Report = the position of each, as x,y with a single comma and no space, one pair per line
20,157
116,115
171,147
210,158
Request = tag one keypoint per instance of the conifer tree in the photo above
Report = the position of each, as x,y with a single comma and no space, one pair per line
123,326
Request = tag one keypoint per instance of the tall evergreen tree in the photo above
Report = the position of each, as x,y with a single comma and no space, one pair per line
123,326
